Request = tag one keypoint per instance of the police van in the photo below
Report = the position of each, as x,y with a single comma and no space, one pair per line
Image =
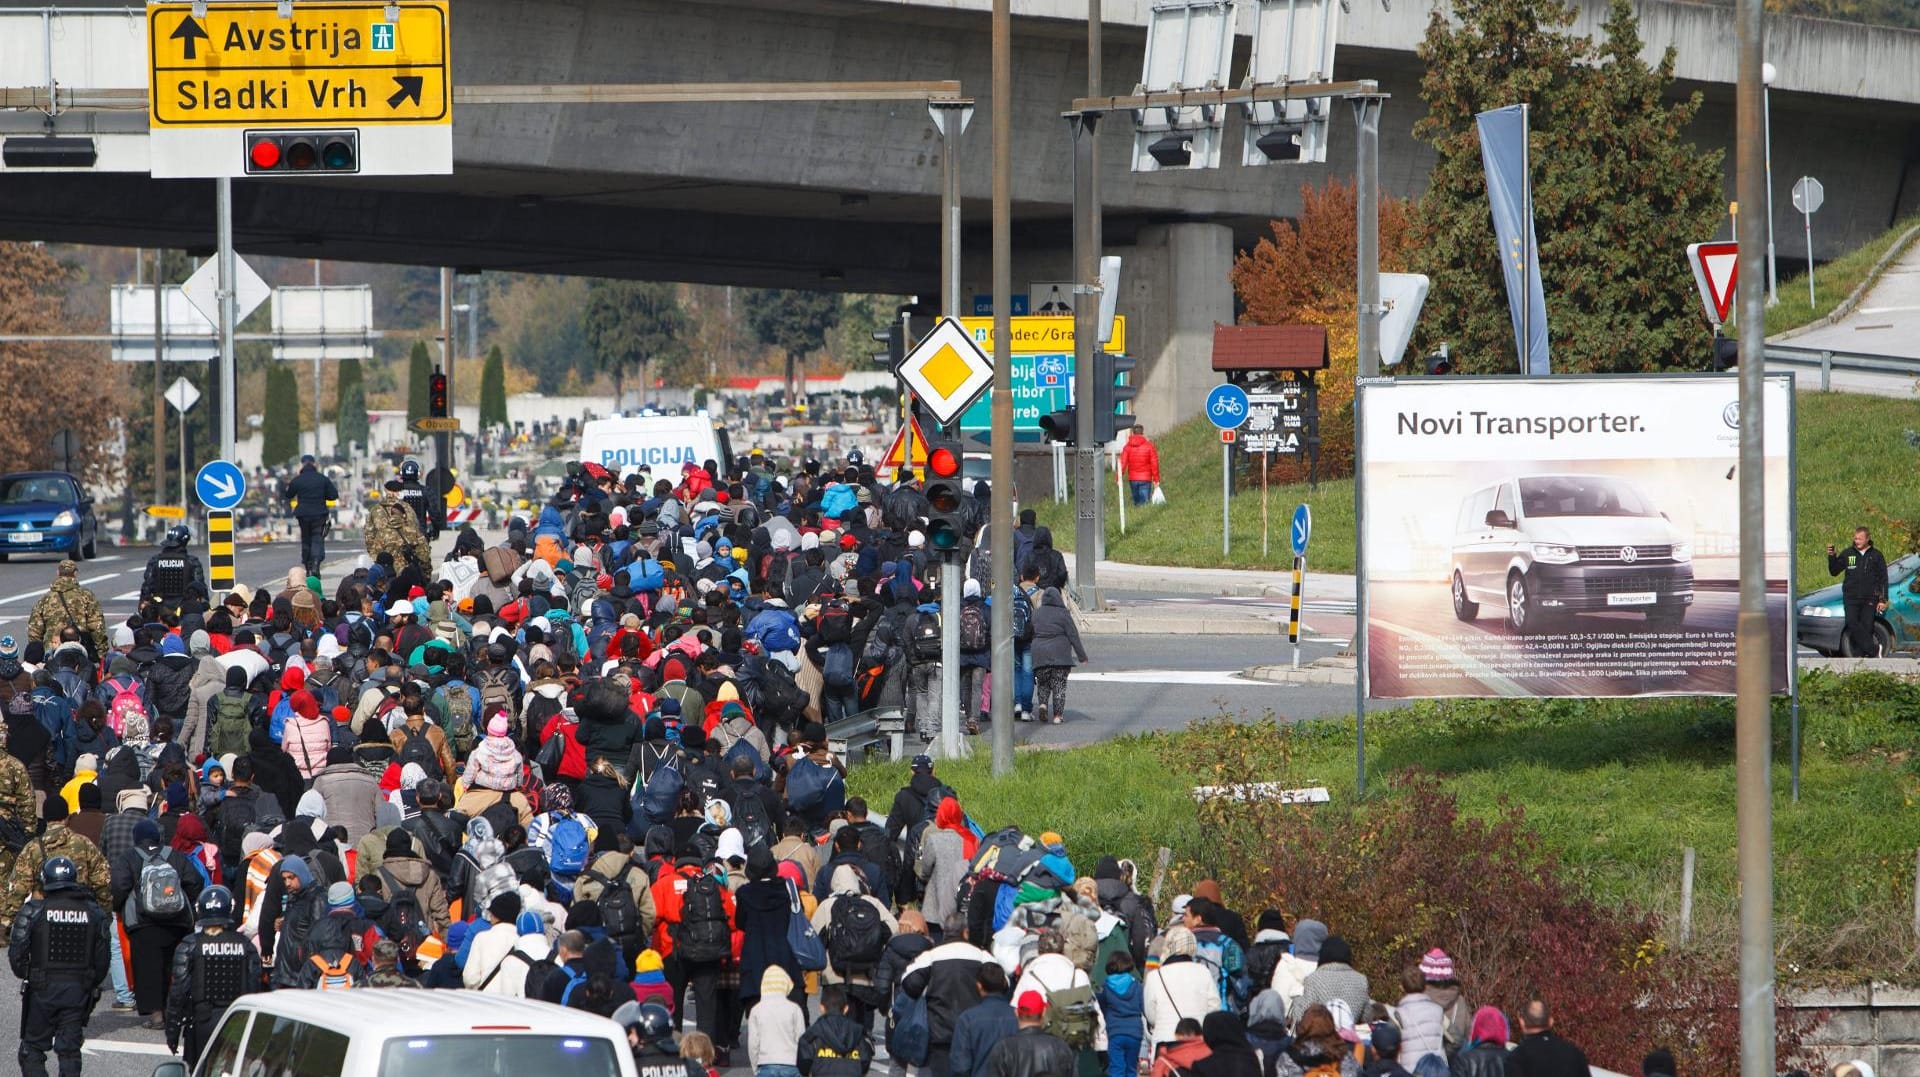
657,444
398,1033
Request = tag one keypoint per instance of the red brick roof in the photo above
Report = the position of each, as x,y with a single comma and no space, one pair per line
1269,347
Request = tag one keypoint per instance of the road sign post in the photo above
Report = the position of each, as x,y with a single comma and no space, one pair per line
220,485
1226,409
183,396
1716,270
1299,532
1808,195
219,553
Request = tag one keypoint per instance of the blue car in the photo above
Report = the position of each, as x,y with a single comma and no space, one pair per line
46,512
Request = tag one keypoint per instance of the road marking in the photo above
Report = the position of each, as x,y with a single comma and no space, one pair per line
126,1047
133,594
98,579
23,595
1166,676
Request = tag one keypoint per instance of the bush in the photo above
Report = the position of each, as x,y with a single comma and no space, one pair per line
1407,871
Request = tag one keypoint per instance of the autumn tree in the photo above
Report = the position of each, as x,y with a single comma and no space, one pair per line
350,408
630,324
419,373
493,390
1617,190
62,385
1306,275
796,323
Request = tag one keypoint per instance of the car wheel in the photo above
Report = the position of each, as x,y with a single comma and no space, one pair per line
1464,609
1882,640
1668,616
1523,614
91,550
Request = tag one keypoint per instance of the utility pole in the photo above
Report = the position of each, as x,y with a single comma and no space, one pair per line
159,406
320,297
1366,184
1086,345
443,443
1753,721
223,212
1000,526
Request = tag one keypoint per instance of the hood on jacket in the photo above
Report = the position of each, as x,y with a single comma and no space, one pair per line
1307,937
775,983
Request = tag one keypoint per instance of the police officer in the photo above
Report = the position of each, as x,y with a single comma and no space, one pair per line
416,497
58,947
650,1035
174,572
211,967
310,494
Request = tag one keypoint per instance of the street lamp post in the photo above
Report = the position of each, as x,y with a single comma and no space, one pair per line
1766,121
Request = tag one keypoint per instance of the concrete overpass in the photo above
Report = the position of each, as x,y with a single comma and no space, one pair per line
843,196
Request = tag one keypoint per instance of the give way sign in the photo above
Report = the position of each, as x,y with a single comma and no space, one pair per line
1715,269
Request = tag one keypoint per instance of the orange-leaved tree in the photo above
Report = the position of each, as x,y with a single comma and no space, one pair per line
1304,275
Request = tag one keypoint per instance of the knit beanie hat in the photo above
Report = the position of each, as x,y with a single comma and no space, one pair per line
1437,967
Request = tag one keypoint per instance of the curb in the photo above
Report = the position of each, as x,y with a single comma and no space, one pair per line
1120,624
1315,673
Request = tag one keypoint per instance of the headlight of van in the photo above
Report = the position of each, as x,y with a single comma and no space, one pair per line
65,519
1819,611
1682,552
1549,554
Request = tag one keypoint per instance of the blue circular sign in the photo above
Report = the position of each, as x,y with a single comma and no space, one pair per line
220,485
1302,529
1227,406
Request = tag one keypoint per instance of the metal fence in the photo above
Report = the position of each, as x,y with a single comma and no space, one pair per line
1827,360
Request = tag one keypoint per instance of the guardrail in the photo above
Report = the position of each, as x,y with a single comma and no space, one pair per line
1827,360
859,735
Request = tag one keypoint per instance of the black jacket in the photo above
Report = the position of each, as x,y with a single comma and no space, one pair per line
1486,1060
1866,573
125,875
1030,1052
944,976
312,490
1543,1054
900,952
835,1046
976,1033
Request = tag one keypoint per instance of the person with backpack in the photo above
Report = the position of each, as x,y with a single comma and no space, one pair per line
976,652
211,967
487,948
495,773
417,740
855,928
231,714
763,912
1074,1011
1334,978
416,900
154,888
838,1043
307,736
1219,952
694,932
815,782
339,945
618,885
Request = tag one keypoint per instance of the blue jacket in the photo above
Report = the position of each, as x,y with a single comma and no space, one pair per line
550,523
1121,1005
837,499
775,628
976,1031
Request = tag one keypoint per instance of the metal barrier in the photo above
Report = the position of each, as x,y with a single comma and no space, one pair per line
857,736
1827,360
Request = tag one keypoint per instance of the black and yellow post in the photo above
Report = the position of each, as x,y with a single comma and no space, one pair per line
219,553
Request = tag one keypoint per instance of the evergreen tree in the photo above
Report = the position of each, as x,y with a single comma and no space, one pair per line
630,324
1616,190
350,409
280,423
493,390
796,323
419,369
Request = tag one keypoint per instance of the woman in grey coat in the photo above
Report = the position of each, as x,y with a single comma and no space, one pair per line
1056,646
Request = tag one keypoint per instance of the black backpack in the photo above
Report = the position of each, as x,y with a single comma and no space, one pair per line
856,935
834,624
750,815
619,913
924,643
417,748
405,921
975,632
703,933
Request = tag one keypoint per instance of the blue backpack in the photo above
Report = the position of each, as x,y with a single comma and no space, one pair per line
574,979
744,749
911,1036
657,800
814,788
283,710
567,846
646,575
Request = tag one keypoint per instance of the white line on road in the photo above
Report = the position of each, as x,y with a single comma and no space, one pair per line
127,1047
97,579
135,593
1167,676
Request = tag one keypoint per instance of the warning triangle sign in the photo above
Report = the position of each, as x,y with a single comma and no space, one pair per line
1716,270
897,458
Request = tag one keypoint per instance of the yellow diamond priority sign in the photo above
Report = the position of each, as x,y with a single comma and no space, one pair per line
947,371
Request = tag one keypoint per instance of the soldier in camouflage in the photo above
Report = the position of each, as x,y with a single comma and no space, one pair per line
17,814
67,603
393,529
56,841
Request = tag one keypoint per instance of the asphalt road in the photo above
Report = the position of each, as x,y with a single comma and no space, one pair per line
114,577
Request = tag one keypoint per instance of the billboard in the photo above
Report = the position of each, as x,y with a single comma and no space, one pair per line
1563,536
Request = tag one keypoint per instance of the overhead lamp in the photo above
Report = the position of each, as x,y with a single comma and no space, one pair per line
1173,151
1282,143
48,151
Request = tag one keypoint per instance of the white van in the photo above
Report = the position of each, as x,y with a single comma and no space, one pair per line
657,444
401,1033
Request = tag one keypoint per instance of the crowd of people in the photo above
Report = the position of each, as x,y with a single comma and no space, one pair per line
589,765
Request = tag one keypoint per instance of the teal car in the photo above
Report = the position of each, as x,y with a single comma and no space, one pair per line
1820,619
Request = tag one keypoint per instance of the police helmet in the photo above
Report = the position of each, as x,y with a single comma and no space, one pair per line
410,471
215,904
651,1020
58,873
178,535
855,457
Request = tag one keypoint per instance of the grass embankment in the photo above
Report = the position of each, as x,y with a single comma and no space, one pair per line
1616,789
1852,455
1833,282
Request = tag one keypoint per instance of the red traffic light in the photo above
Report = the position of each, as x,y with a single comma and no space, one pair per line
943,462
281,152
265,154
437,395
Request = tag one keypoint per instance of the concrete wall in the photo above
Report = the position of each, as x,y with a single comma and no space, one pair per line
1878,1023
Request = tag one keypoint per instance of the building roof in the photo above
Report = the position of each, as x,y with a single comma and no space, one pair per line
1269,347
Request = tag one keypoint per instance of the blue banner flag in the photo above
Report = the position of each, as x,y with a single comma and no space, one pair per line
1503,149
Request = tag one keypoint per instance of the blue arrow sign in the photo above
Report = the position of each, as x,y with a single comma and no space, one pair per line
1302,529
1227,406
220,485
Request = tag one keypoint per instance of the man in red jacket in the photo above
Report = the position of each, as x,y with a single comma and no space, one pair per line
1142,463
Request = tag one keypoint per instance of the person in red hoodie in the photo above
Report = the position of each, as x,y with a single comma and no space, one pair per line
1142,463
696,938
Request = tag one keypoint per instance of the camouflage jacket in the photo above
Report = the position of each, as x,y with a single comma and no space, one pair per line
57,841
66,602
392,529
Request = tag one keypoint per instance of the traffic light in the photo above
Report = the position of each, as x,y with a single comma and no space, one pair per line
1726,352
437,394
1112,388
1058,426
946,501
290,153
1439,362
893,339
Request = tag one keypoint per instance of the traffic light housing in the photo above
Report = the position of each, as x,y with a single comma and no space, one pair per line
1726,352
893,342
302,153
437,395
1112,389
1059,426
946,498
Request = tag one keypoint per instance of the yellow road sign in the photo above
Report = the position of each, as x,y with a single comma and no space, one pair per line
456,496
1041,334
331,63
167,512
429,425
946,370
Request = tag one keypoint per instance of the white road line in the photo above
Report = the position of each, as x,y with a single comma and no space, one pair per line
124,1047
1166,676
135,593
23,595
98,579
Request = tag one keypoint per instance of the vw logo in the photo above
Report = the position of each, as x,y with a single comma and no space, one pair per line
1629,554
1731,415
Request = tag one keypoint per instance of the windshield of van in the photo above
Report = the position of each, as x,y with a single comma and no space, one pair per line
1581,495
438,1056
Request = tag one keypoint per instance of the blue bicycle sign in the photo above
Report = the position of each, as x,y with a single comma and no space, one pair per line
1227,406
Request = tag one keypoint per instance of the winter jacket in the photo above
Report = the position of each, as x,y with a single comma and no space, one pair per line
609,865
835,1046
1048,973
170,685
1180,987
1056,639
1484,1060
1422,1028
977,1031
1030,1052
209,680
762,911
944,976
1121,1010
775,1024
901,951
941,866
823,925
1335,980
126,879
1140,459
1179,1057
417,875
1544,1054
486,950
307,740
353,797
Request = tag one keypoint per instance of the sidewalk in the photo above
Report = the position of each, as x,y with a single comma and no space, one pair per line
1237,582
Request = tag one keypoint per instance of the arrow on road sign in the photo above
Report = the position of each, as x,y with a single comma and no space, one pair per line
410,87
1716,269
428,424
221,485
188,33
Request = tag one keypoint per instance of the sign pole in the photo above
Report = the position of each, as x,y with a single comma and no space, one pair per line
1226,495
1293,613
1807,216
1366,116
223,213
1266,465
1000,526
183,458
1086,343
1120,495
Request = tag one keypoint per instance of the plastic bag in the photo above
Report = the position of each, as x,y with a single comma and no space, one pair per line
1159,495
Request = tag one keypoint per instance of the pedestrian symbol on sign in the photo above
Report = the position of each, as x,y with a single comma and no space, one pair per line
382,37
